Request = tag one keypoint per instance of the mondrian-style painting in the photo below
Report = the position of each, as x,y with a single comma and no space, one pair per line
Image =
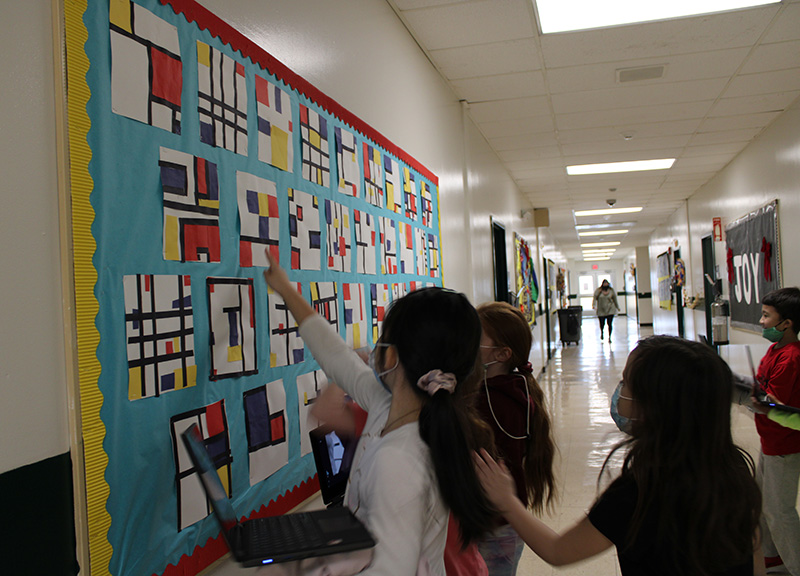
426,203
304,230
309,387
191,207
380,296
373,175
325,300
347,162
285,345
337,221
355,315
421,256
314,147
259,225
434,266
388,245
409,193
406,251
213,424
266,426
366,237
275,127
146,67
399,290
222,100
232,323
394,185
159,330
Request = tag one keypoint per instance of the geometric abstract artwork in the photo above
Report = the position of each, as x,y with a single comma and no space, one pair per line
373,175
433,256
146,68
304,230
222,100
426,201
409,194
337,219
399,290
355,315
366,236
159,334
347,162
285,345
420,244
380,296
265,424
232,325
258,219
309,386
406,252
191,207
275,128
314,146
325,300
213,425
394,185
388,245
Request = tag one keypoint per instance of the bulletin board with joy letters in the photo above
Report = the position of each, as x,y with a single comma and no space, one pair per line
192,152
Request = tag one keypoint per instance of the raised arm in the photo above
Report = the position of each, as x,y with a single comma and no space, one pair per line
278,280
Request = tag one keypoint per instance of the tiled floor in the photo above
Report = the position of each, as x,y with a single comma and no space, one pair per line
578,384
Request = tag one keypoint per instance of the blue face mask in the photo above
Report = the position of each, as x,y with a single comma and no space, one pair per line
623,423
772,334
379,375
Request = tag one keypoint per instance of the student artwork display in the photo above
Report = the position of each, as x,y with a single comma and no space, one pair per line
173,208
527,285
664,275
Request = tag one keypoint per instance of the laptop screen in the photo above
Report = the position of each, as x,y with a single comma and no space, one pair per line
333,457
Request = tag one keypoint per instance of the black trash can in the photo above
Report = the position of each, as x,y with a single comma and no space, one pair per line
569,324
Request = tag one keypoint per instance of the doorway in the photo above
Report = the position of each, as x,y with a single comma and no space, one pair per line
500,261
588,282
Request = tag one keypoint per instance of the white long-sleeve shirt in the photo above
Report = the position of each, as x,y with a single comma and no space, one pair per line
392,486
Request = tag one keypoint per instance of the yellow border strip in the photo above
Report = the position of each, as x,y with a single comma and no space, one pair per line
85,276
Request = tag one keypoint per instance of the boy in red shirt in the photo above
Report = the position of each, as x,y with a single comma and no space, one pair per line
779,464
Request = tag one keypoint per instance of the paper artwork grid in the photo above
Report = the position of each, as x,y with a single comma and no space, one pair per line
406,256
347,162
399,290
373,175
409,194
159,327
325,300
388,245
433,256
421,256
355,315
285,345
304,230
314,146
309,387
366,237
266,427
259,225
232,323
337,220
213,424
426,203
394,185
275,126
222,95
146,67
380,296
190,190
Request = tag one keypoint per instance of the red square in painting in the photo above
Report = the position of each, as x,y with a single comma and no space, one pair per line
262,90
272,203
239,69
295,260
201,239
215,419
346,291
245,254
167,76
277,428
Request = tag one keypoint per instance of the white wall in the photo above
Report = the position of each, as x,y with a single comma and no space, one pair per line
33,414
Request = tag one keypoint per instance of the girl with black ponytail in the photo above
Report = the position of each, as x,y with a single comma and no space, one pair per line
413,461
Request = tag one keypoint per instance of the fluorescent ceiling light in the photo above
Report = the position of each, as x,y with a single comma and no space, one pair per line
591,258
614,167
599,244
601,232
598,251
606,211
566,15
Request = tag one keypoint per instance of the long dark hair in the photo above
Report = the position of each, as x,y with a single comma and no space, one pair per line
507,327
438,329
692,480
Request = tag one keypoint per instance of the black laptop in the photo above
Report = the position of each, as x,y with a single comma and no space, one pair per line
333,457
275,539
760,395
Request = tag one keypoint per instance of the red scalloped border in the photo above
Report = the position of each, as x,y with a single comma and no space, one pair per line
215,548
207,20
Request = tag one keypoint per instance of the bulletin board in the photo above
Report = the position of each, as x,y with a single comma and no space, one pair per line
192,151
664,275
527,285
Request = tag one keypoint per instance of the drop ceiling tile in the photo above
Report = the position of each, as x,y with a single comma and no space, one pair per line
738,121
693,151
647,114
724,136
509,109
526,141
499,87
716,160
764,83
786,26
523,125
626,148
487,59
637,131
414,4
776,101
768,57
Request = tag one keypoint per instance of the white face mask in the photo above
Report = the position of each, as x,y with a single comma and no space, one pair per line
379,375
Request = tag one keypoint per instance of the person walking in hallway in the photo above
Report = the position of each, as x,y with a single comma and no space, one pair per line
605,303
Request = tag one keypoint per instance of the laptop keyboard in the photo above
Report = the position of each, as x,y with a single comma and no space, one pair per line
293,531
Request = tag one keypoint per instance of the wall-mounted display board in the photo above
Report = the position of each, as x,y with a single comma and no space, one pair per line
664,275
527,285
192,151
752,246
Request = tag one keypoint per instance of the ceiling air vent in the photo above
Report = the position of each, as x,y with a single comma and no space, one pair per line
642,73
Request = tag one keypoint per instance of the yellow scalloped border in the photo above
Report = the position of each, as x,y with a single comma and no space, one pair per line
85,277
